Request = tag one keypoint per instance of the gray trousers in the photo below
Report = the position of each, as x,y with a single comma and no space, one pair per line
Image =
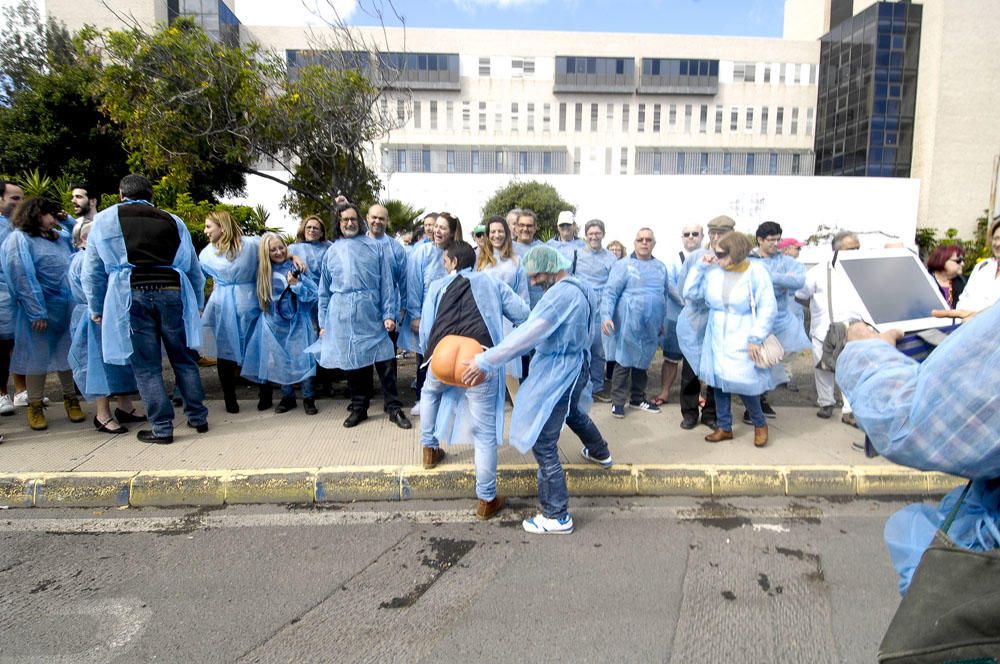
620,385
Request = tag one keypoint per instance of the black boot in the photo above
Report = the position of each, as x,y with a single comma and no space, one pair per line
264,396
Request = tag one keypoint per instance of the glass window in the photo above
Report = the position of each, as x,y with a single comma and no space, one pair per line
750,164
449,112
734,118
750,74
727,163
484,66
767,73
466,115
703,119
673,115
623,162
451,161
482,116
625,114
522,162
498,161
772,164
578,117
749,119
475,161
546,162
416,114
796,164
656,118
400,111
703,168
593,117
562,117
401,161
763,120
718,119
779,119
531,117
640,124
657,163
810,112
795,122
687,118
514,120
610,112
434,115
680,163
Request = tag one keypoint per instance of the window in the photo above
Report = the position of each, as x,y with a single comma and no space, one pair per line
772,164
782,69
520,67
498,162
703,167
640,124
522,162
475,161
610,119
767,73
751,72
416,114
466,115
779,120
623,162
798,74
727,163
578,117
607,160
576,161
656,118
673,115
482,116
531,117
434,115
562,117
498,119
750,164
514,121
657,163
795,121
425,161
400,161
484,66
718,119
744,72
400,111
451,161
734,118
593,117
546,117
763,120
749,121
809,121
687,118
703,119
680,163
546,162
796,164
625,114
529,66
449,113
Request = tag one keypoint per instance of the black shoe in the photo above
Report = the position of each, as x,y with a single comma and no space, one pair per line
147,436
129,417
768,411
689,423
399,419
103,426
200,428
286,405
355,418
746,417
232,405
309,406
709,422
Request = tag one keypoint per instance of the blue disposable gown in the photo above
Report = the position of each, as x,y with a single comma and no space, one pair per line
787,276
497,304
92,375
560,329
6,303
594,267
567,249
355,298
312,253
693,318
534,292
424,265
37,274
106,280
634,300
398,262
510,272
232,309
725,360
276,351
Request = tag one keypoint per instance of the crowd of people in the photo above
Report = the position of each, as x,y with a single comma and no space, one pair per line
96,298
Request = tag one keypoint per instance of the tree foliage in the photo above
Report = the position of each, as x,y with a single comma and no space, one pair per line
541,198
402,216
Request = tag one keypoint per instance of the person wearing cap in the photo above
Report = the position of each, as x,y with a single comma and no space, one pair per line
632,309
552,395
479,233
593,267
566,242
691,323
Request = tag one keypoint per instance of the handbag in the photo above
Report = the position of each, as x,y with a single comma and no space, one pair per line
951,611
836,335
772,352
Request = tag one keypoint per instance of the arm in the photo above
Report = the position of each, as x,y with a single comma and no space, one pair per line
415,282
516,344
617,281
521,284
763,295
399,255
304,287
789,274
389,295
324,294
94,276
673,291
515,308
694,287
19,270
193,268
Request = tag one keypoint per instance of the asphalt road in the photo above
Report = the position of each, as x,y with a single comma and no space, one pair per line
664,580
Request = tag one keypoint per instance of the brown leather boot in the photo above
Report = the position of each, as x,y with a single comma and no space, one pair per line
719,434
432,457
760,436
488,508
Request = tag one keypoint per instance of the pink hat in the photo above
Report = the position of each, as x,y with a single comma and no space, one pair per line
790,242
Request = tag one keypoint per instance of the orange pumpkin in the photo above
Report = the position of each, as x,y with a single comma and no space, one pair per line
450,356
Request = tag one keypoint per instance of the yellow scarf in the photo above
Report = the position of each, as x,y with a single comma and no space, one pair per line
742,266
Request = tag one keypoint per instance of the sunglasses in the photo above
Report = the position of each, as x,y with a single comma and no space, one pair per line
479,234
721,254
957,259
690,234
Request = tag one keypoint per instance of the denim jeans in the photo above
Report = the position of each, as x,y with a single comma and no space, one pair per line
597,363
288,391
157,317
552,493
482,401
724,409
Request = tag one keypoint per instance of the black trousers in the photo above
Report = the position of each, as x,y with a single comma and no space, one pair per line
361,383
690,391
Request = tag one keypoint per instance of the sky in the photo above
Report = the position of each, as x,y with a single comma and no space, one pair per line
750,18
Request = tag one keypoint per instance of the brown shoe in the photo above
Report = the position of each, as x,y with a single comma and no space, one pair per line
432,457
719,434
488,508
760,436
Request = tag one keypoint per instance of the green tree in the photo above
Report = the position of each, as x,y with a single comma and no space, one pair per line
541,198
401,215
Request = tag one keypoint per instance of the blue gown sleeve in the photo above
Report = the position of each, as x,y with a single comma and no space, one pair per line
789,274
324,293
613,291
767,306
694,287
401,260
415,283
672,286
94,276
517,343
515,307
521,283
19,270
390,296
305,290
193,268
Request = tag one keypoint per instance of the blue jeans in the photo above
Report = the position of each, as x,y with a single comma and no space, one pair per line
597,363
288,391
482,400
724,409
552,493
157,318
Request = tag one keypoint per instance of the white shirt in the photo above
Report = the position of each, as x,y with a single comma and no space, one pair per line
983,288
845,304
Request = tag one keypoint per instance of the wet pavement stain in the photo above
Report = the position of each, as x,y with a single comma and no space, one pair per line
189,523
764,582
729,595
817,575
443,555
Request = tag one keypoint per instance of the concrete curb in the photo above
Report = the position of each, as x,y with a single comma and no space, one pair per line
354,483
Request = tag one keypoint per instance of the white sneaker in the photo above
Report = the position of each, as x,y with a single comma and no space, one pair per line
21,400
542,525
6,405
603,463
415,411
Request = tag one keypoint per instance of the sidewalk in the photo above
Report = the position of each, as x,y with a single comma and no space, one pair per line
257,457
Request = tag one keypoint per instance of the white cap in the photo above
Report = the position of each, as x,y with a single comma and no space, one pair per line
566,217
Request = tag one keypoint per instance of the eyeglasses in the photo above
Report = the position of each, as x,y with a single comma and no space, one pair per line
957,259
644,239
721,254
695,234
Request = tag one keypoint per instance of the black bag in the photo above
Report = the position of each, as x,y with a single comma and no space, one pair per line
836,334
951,612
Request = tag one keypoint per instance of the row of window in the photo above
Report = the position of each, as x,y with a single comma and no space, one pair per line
650,161
595,117
509,160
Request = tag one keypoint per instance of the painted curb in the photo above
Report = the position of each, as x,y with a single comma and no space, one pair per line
394,483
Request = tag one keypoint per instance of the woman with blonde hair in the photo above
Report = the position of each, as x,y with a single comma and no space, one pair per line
617,248
276,351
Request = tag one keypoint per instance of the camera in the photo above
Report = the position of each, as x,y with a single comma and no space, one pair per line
296,272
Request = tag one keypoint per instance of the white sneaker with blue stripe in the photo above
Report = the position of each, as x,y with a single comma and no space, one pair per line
542,525
603,463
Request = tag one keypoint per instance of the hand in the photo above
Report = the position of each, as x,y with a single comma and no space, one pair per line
860,330
292,279
708,257
472,372
415,325
964,314
300,264
39,325
96,318
390,325
321,330
756,352
608,327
